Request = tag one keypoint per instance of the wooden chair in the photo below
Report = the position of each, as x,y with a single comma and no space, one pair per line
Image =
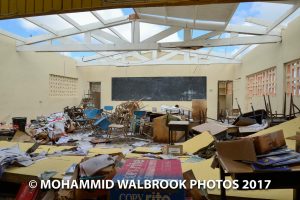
119,128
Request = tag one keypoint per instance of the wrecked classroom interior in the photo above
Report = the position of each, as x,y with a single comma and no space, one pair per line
149,100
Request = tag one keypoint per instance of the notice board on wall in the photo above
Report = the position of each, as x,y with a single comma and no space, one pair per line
158,88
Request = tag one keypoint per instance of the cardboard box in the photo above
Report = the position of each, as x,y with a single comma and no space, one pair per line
246,149
240,150
266,143
100,171
145,169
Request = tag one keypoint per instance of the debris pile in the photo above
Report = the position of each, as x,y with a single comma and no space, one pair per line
52,128
124,112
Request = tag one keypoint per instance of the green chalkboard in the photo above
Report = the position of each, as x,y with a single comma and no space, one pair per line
158,88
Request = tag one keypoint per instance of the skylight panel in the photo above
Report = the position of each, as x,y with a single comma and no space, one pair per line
269,12
21,27
83,18
147,30
54,21
176,37
78,37
111,13
124,30
109,31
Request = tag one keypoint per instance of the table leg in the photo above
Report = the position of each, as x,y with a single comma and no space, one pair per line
169,136
172,138
186,134
222,177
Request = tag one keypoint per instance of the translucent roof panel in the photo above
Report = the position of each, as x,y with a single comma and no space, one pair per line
147,30
124,30
21,27
78,37
54,21
83,18
109,31
113,13
176,37
269,12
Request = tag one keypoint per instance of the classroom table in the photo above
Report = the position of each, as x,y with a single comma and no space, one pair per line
178,126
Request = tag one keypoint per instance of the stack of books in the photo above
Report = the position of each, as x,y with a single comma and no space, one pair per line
277,160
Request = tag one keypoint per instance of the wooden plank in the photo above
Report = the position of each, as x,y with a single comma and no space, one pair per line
4,7
21,7
96,3
77,4
48,6
12,6
30,6
57,4
39,6
67,4
85,5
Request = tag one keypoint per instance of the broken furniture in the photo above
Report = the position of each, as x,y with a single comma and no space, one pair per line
199,110
218,130
119,128
161,130
138,121
250,118
178,126
101,124
230,153
108,109
87,101
276,118
90,116
124,112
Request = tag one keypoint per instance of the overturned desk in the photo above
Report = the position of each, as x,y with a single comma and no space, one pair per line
178,126
244,173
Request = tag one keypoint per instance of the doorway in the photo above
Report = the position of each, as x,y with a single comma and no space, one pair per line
225,99
95,91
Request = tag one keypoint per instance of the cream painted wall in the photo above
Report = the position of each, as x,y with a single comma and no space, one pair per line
214,73
264,57
24,77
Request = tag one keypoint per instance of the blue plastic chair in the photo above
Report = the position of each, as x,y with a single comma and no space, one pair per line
102,124
108,108
90,116
92,113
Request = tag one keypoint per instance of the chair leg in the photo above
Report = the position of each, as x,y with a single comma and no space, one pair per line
124,133
109,132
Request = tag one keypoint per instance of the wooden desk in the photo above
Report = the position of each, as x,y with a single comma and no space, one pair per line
241,171
178,126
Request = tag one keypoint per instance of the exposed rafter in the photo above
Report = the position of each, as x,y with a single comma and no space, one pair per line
194,44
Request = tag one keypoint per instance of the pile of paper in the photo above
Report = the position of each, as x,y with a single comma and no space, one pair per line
13,155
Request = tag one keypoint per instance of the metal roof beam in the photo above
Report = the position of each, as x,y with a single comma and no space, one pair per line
194,44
